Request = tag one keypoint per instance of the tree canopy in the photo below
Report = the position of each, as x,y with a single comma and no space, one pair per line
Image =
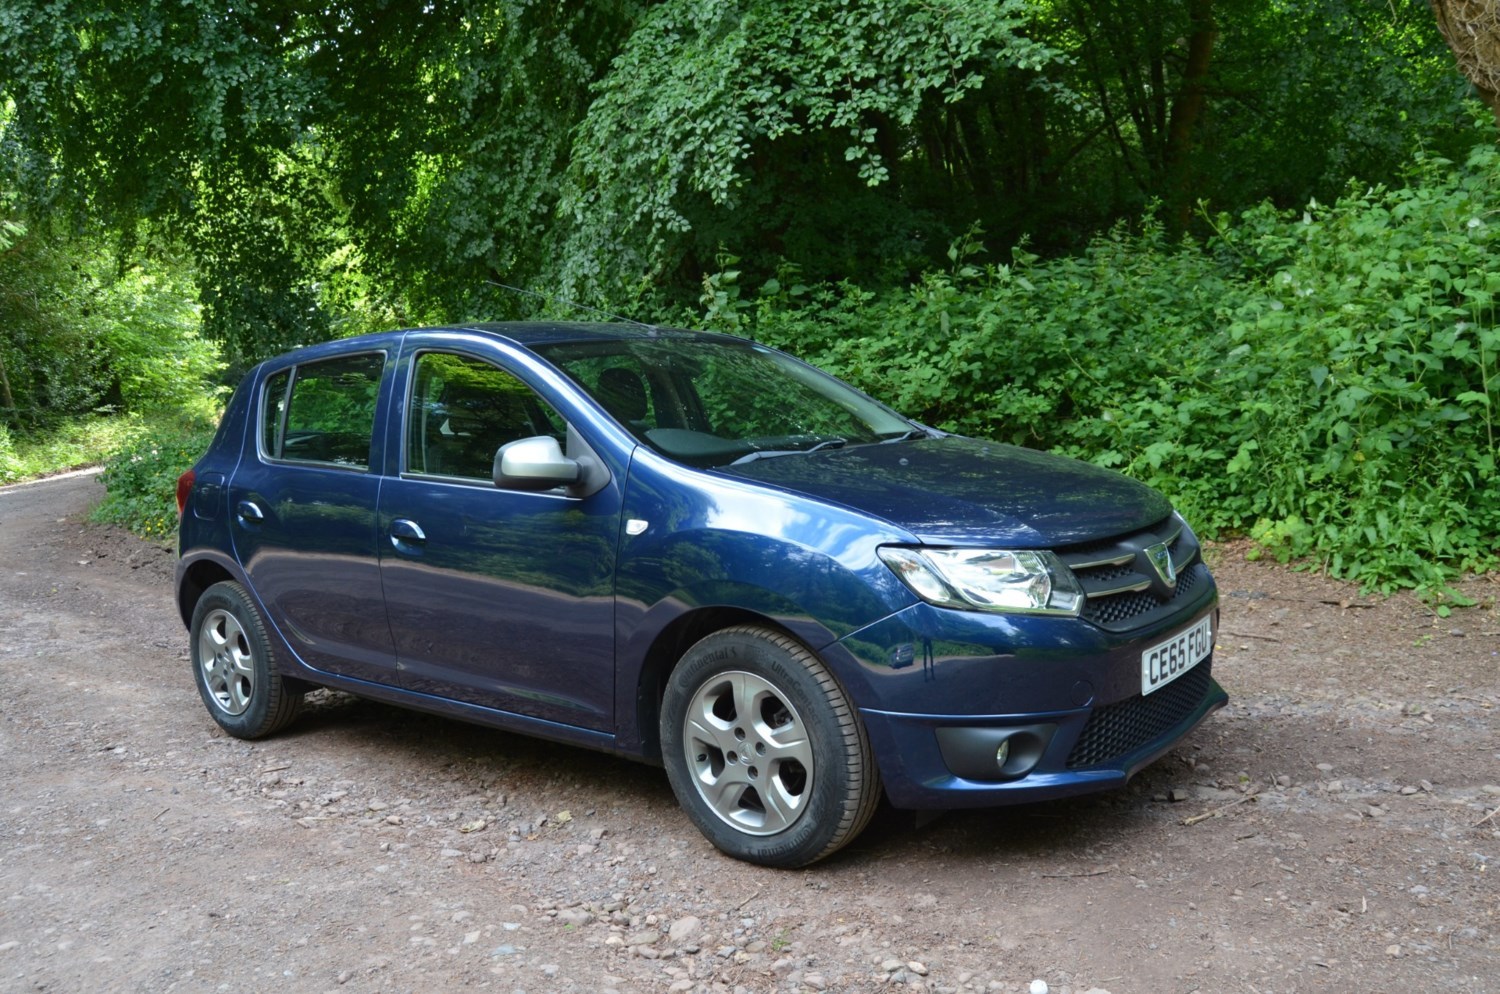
327,164
1091,225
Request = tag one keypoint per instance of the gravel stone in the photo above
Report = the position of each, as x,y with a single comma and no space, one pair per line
684,928
354,821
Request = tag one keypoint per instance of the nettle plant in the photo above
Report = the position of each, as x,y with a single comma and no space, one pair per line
1381,312
141,479
1323,380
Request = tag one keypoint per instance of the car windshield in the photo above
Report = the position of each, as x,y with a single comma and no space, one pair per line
719,402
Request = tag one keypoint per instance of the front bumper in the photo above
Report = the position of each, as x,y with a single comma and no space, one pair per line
940,689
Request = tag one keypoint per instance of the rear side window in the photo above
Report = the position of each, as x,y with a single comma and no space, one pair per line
323,412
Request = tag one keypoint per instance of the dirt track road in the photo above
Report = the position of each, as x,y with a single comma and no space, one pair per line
370,849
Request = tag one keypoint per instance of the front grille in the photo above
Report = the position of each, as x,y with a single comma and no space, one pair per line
1111,572
1114,613
1117,730
1122,588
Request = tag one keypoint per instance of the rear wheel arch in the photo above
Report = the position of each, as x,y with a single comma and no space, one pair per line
196,580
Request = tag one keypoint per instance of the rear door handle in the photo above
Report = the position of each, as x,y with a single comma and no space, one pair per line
406,533
250,512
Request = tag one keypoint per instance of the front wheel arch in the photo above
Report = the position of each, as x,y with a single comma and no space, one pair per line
764,750
667,650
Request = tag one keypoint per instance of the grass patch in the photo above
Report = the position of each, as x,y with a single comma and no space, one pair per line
70,444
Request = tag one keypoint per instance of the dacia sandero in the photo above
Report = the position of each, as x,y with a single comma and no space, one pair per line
697,551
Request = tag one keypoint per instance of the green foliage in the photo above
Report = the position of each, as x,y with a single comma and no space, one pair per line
450,126
142,477
1323,380
1299,96
11,467
86,329
148,327
341,165
708,97
51,367
307,170
313,158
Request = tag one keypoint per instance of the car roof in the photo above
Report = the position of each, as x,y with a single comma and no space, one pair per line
529,334
524,334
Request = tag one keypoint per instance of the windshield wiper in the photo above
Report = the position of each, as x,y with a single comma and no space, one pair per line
827,443
907,436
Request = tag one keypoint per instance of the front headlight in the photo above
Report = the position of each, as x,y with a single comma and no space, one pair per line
1027,582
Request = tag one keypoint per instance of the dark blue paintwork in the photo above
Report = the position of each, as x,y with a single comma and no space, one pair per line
545,614
960,491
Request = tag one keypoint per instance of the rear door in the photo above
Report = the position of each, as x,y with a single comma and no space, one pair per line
303,514
496,598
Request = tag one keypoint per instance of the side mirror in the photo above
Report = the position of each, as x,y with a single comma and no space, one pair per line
534,464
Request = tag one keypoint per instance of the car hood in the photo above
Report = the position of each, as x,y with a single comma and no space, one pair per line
963,491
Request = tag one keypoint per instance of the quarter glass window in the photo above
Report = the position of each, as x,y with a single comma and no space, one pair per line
273,411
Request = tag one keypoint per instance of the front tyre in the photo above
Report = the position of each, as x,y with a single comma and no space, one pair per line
232,665
764,751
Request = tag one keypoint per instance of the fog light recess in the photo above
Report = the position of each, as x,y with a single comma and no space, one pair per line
994,753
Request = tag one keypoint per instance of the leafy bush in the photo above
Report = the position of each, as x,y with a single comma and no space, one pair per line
1323,380
142,478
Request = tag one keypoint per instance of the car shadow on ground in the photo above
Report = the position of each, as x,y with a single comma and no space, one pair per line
463,759
361,726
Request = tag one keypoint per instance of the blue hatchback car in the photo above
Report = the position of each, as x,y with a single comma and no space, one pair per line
694,550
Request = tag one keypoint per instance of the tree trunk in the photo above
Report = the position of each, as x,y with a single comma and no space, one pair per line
7,402
1472,30
1187,112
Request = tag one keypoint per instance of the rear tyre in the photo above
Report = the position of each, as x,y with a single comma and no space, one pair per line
233,665
764,751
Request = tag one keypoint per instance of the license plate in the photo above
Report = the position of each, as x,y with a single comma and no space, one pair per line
1161,664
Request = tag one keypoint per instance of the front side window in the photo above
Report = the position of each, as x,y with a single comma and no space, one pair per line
323,412
463,409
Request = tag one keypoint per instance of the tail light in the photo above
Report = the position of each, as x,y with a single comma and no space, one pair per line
184,489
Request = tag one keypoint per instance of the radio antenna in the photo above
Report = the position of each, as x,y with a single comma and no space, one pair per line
544,298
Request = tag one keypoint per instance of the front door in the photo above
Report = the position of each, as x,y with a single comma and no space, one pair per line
496,598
